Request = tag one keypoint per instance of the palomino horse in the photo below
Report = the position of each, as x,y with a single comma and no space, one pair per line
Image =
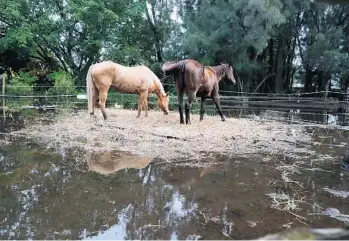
132,80
197,80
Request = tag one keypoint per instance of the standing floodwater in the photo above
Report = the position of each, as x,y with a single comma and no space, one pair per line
55,195
50,193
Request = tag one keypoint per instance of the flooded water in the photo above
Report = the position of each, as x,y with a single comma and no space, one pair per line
115,195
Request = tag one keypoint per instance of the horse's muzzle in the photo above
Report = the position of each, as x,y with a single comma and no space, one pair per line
166,112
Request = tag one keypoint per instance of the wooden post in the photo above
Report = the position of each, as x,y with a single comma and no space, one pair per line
4,78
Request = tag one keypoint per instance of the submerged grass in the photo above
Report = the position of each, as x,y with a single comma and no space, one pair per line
162,137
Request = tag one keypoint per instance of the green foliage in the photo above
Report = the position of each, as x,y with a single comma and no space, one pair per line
63,84
260,37
21,84
227,30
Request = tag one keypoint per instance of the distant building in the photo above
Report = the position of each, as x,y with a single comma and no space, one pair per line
299,86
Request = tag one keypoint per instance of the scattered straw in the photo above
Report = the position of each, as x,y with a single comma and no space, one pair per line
283,202
163,137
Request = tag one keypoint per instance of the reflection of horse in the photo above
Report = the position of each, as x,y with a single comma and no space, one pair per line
132,80
110,162
197,80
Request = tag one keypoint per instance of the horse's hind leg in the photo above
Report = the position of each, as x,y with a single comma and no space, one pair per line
202,108
180,106
102,99
188,105
94,100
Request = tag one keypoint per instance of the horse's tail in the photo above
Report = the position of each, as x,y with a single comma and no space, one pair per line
90,89
171,66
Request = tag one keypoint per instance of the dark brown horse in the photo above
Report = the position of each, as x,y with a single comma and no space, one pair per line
189,75
197,80
210,86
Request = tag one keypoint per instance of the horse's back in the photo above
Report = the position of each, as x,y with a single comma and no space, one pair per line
209,75
104,69
141,71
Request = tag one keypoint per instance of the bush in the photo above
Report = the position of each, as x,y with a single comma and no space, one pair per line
21,84
63,84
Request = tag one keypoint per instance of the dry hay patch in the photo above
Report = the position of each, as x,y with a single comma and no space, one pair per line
163,137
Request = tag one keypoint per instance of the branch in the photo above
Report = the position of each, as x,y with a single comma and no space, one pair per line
270,75
151,133
56,53
342,21
300,50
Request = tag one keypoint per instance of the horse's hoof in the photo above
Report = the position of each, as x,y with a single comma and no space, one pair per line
223,120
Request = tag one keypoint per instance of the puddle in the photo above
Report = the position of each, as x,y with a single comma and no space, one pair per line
46,194
46,197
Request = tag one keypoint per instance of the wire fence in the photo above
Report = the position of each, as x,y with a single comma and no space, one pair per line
230,100
298,93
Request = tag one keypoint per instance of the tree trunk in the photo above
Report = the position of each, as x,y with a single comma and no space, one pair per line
327,80
155,30
289,66
279,85
271,80
308,80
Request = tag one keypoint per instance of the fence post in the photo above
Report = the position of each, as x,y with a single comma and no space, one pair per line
4,77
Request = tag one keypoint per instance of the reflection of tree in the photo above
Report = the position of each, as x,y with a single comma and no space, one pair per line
61,202
162,212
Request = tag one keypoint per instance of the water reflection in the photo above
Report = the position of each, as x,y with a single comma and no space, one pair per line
44,196
294,115
109,162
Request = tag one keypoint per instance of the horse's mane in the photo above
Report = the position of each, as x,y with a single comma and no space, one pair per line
220,69
158,83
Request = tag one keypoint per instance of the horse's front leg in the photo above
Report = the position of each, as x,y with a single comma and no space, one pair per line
216,100
202,107
141,101
145,105
188,106
180,106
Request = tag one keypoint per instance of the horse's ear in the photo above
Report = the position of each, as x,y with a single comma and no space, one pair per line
167,94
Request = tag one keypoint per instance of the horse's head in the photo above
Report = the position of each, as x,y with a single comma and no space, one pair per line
229,73
163,100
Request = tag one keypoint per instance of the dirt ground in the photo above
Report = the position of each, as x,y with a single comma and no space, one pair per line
161,136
